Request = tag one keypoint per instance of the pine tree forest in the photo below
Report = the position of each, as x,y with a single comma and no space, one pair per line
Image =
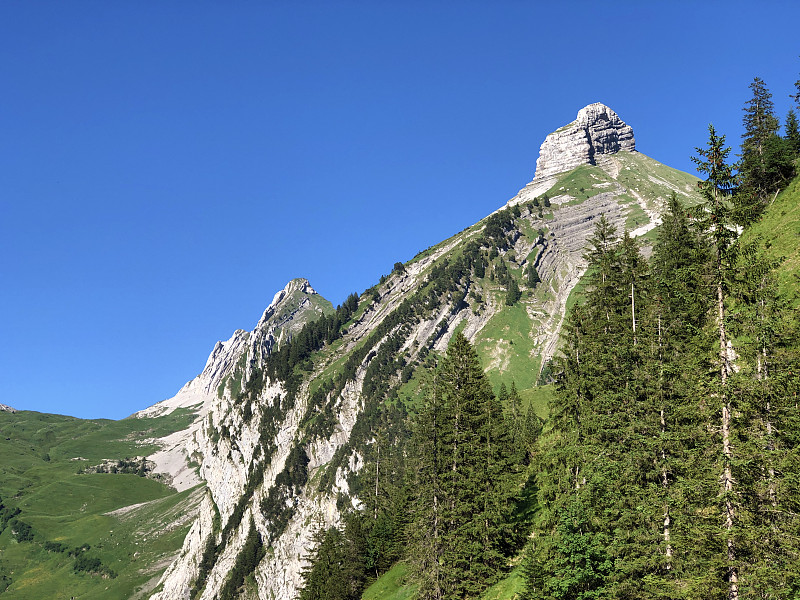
669,466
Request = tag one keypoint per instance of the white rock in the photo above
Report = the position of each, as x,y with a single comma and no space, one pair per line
596,130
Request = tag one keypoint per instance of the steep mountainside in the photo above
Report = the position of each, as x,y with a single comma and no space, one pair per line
281,440
271,436
83,513
229,364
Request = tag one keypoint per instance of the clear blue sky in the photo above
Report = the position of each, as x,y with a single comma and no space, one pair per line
165,167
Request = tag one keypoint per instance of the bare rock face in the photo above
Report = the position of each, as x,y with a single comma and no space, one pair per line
596,130
5,408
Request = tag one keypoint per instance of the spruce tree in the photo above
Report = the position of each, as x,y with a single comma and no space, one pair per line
717,221
461,518
516,423
763,386
513,293
765,165
324,578
684,483
427,508
581,465
792,134
533,277
336,565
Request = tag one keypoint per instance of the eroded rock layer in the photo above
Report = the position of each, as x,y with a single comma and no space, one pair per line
596,130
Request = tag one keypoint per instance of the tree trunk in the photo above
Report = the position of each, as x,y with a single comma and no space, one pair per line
633,315
664,477
727,475
377,475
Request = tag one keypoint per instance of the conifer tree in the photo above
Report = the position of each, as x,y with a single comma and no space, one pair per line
427,509
607,461
633,269
382,489
765,165
792,134
763,387
531,430
716,190
463,474
336,569
578,470
513,293
533,277
502,393
516,421
324,578
677,314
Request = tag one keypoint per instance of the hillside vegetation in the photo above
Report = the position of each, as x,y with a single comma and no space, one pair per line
68,531
778,233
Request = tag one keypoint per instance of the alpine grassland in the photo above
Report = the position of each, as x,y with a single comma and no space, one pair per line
89,534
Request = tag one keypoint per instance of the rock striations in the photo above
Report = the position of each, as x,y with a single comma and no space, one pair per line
596,130
230,363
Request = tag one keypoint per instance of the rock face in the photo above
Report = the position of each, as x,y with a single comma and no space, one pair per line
229,365
596,130
290,309
5,408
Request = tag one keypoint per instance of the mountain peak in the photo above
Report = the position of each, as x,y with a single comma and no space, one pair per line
596,130
297,285
294,292
5,408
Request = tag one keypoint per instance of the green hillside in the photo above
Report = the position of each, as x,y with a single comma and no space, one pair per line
66,531
778,233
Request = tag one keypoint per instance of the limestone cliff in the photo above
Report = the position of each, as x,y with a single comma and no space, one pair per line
228,367
596,130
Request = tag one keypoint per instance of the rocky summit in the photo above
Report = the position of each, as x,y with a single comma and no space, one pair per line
596,130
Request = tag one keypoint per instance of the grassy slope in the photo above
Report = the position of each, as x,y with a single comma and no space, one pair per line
393,585
70,508
779,232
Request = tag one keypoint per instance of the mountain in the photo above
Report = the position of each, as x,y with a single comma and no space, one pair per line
99,508
296,479
228,365
275,432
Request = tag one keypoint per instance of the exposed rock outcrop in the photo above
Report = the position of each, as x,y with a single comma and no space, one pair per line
596,130
5,408
290,309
